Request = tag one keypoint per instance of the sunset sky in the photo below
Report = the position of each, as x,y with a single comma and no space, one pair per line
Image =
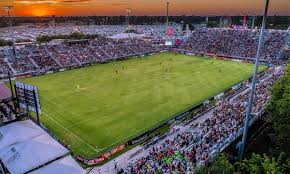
143,7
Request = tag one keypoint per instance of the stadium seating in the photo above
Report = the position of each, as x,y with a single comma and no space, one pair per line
7,111
51,57
222,42
236,43
191,147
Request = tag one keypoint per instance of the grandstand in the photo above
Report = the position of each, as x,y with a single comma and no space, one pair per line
235,43
171,107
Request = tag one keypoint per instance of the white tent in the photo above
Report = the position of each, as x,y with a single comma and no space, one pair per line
24,156
25,147
18,132
66,165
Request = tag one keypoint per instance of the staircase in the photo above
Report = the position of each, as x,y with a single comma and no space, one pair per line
96,55
76,60
10,66
8,53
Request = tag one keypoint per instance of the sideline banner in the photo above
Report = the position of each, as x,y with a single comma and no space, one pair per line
102,158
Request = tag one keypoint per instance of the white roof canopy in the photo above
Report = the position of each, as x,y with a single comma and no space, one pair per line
30,154
24,147
18,132
66,165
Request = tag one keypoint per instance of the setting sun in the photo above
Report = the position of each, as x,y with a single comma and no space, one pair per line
39,12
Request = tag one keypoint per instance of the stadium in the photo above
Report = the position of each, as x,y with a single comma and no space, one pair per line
162,98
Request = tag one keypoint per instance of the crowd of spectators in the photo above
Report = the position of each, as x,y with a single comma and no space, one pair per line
20,61
236,43
190,147
43,58
63,54
229,114
7,111
223,42
4,68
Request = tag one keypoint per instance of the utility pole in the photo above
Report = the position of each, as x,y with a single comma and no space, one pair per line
167,12
129,11
253,87
253,22
53,23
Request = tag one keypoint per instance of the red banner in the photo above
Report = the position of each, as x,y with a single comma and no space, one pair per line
102,158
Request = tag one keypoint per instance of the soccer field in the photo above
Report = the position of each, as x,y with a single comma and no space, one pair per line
96,108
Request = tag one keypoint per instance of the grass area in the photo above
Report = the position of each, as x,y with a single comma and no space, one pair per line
94,109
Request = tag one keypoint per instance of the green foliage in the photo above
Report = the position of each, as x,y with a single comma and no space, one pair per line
279,110
73,36
5,42
132,31
258,164
220,166
23,40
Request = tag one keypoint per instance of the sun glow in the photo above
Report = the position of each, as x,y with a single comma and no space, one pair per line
39,12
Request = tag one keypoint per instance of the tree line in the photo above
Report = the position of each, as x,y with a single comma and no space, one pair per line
73,36
276,22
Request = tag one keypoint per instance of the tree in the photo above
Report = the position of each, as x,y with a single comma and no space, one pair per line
220,165
279,111
258,164
5,42
75,36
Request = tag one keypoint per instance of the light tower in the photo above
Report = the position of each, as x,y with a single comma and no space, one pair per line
253,22
8,9
253,86
53,23
128,11
167,12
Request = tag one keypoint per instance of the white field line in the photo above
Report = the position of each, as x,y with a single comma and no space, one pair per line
73,134
136,133
68,129
63,108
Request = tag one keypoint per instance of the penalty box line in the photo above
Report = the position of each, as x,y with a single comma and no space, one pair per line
117,142
83,141
68,129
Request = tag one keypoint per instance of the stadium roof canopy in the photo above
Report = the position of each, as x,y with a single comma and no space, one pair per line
18,132
67,164
25,147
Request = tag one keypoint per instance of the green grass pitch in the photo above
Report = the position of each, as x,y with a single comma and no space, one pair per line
94,109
